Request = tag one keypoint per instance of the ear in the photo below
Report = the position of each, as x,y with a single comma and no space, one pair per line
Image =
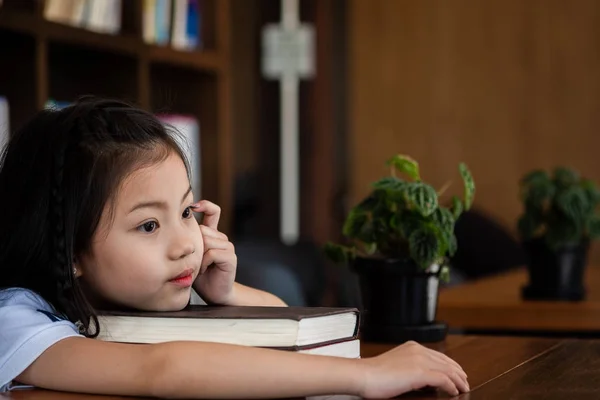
77,271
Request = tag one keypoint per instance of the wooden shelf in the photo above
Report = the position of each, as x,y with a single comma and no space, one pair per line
123,44
198,60
44,60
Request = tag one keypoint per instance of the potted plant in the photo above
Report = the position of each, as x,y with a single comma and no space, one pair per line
399,239
557,224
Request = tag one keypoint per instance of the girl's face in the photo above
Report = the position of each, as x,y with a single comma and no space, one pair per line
150,253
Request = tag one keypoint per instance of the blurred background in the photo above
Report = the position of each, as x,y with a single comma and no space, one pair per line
505,86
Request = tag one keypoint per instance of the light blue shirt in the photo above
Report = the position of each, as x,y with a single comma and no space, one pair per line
28,326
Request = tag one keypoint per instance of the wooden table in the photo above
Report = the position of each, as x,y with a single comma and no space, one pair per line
498,368
494,304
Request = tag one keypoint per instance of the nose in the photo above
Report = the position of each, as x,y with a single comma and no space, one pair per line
182,244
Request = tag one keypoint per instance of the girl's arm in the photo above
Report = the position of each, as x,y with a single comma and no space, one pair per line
246,296
211,370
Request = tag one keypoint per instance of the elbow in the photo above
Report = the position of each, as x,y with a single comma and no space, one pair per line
157,372
170,372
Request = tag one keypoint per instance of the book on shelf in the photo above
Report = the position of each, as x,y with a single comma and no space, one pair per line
188,137
313,330
172,22
103,16
4,122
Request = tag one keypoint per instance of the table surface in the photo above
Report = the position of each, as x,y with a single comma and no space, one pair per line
495,304
498,368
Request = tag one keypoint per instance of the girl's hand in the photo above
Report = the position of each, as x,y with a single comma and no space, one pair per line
411,366
215,282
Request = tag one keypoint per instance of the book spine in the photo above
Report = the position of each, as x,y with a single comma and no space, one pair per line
193,26
149,21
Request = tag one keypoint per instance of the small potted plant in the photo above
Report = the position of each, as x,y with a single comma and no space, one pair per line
558,221
399,239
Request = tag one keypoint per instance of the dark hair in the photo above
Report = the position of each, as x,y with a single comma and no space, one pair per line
57,175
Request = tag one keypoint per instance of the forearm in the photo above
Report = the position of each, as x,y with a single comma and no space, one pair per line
211,370
247,296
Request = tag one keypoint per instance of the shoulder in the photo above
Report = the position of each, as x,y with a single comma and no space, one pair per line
16,302
20,296
29,326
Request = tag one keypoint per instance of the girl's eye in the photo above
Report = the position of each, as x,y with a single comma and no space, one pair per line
187,213
148,227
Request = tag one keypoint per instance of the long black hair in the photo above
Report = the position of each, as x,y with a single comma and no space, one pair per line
57,175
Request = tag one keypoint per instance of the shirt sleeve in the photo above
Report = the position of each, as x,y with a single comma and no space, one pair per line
28,327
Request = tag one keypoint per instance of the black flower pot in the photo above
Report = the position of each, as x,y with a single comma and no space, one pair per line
555,275
399,301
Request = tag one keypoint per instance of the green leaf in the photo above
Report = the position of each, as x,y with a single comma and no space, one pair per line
407,165
565,177
535,177
370,248
591,192
422,197
444,218
354,223
536,188
366,233
408,222
424,246
388,183
574,203
528,226
445,274
338,254
457,207
367,204
452,245
562,230
469,185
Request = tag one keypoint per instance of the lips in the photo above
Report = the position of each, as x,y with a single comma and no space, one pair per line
183,279
185,273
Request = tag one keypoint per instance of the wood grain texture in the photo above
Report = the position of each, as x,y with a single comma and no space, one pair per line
571,371
504,85
482,358
495,303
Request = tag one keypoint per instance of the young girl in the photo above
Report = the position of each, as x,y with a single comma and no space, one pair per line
96,212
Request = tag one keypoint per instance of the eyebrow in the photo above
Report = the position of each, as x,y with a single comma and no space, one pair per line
157,204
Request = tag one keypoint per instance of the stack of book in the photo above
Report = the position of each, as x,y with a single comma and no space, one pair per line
103,16
174,22
311,330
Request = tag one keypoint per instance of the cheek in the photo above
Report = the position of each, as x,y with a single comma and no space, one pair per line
198,237
120,260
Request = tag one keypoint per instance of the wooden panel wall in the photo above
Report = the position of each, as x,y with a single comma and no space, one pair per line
504,85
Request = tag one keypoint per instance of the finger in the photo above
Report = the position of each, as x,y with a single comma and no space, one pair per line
448,361
441,381
455,374
216,243
208,231
212,212
441,356
224,259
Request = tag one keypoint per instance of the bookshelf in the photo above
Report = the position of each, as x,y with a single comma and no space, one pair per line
44,60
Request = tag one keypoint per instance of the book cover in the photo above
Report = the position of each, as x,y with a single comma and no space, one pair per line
237,312
291,328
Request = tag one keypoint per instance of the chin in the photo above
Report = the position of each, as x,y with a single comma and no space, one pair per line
178,301
166,302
